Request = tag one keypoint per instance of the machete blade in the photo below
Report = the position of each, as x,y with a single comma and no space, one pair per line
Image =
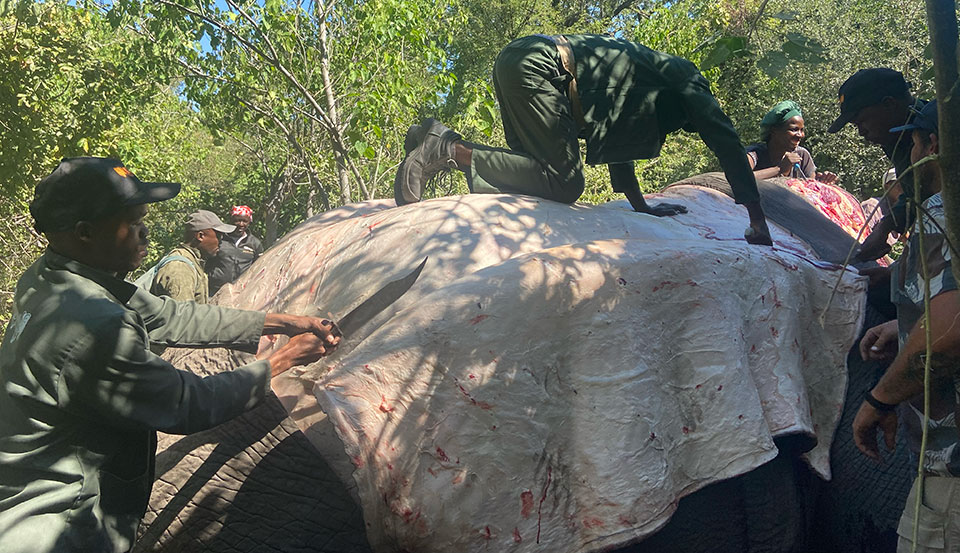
391,292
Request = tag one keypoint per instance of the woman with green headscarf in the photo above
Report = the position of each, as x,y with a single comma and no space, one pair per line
780,153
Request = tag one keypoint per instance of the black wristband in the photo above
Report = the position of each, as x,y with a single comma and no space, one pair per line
877,404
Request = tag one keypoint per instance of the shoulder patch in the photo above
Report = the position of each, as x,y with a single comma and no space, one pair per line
16,326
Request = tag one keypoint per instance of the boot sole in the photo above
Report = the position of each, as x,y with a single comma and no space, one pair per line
402,193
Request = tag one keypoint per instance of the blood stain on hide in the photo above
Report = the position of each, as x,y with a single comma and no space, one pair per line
543,497
442,455
480,404
774,332
526,503
669,284
720,387
478,319
487,535
686,430
593,523
384,405
357,461
621,281
653,436
516,535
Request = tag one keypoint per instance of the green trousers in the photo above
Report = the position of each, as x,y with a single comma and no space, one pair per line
544,155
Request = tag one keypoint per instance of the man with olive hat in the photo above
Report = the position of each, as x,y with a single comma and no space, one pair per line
81,395
876,100
181,273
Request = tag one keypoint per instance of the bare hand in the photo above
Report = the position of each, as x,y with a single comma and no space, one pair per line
787,162
302,349
293,325
826,177
758,235
880,342
664,209
865,426
874,247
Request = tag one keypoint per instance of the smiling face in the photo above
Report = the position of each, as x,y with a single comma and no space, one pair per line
241,222
788,135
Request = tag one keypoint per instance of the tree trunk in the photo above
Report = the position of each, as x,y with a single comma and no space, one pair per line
343,172
942,21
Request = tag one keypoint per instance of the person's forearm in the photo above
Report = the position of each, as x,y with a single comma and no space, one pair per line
623,179
768,173
280,361
904,378
281,323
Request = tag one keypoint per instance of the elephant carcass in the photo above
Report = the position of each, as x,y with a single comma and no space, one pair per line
558,377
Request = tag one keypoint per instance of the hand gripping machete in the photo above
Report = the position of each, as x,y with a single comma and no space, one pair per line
391,292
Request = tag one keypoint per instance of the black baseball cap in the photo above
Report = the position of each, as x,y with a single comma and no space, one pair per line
865,88
924,119
89,189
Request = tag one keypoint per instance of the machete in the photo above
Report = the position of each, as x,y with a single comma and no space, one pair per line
391,292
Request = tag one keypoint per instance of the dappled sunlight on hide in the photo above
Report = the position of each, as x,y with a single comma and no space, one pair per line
559,376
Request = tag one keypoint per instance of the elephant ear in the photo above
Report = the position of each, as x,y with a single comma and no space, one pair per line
822,229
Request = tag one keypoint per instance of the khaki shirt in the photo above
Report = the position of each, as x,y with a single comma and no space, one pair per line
183,281
82,396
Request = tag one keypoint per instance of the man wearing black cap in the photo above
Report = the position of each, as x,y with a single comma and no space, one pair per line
905,340
81,395
182,275
876,100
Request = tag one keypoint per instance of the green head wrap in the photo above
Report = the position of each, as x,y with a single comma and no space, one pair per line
779,114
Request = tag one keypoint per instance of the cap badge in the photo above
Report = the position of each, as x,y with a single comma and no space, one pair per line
123,171
841,99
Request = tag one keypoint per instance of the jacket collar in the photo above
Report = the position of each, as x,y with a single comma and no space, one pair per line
120,289
195,252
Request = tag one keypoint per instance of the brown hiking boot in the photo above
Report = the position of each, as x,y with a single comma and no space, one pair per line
429,147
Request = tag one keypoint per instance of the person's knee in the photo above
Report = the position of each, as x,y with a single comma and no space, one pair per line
569,190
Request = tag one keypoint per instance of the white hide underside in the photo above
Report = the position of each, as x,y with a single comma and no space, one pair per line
559,376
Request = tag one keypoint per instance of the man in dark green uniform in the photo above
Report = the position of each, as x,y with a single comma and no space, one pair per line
81,395
621,97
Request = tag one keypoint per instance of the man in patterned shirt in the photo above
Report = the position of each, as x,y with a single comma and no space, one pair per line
938,524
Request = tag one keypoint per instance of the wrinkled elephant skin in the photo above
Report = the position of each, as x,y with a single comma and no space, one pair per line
494,405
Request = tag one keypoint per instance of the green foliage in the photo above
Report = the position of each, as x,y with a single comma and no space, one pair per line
295,106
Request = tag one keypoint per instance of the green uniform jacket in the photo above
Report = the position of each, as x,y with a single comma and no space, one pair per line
183,281
633,96
82,398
